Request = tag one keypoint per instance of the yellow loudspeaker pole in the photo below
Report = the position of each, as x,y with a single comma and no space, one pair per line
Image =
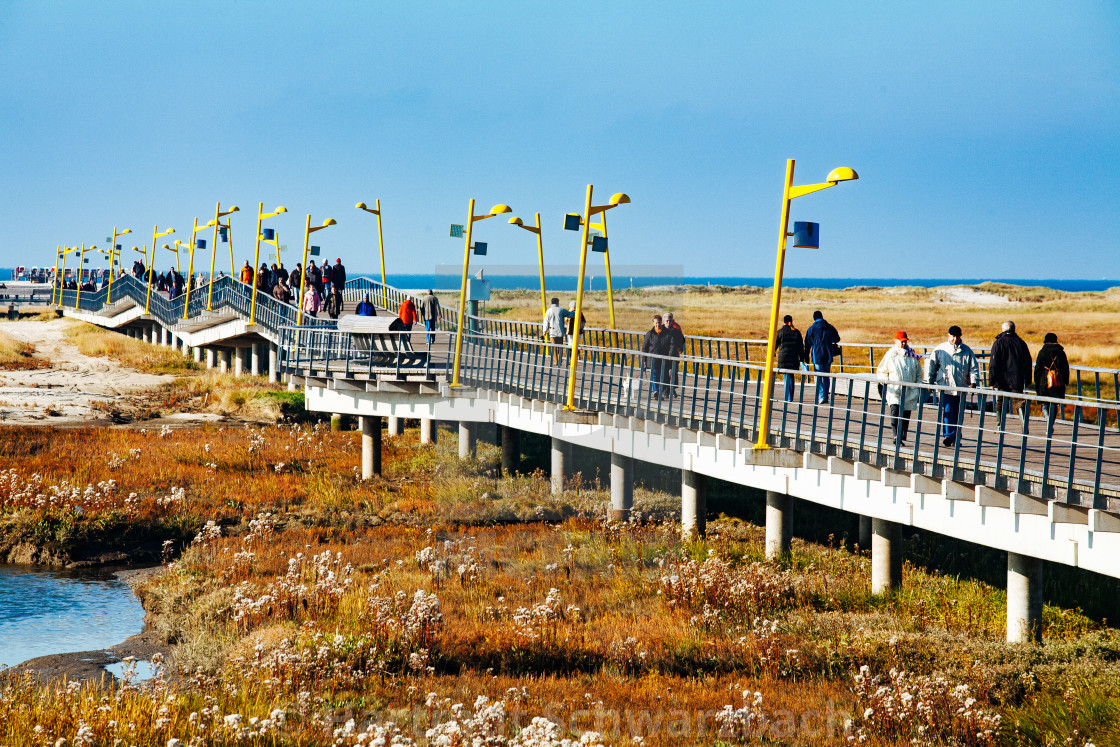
463,292
214,254
54,278
579,302
601,226
256,273
303,278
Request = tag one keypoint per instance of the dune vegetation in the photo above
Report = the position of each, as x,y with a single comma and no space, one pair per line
443,604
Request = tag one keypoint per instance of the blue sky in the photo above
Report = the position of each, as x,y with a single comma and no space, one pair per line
986,134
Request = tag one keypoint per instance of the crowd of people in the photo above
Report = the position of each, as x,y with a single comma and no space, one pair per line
1011,370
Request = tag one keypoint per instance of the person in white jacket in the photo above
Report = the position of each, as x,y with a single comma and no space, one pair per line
952,363
903,365
553,328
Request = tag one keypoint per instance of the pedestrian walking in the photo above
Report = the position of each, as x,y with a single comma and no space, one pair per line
264,281
571,321
952,363
901,364
1051,370
314,277
311,301
407,314
790,350
281,292
246,274
429,312
334,302
338,274
365,308
676,349
552,328
1009,368
656,343
822,345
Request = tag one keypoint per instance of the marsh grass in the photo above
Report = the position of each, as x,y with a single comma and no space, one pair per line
328,598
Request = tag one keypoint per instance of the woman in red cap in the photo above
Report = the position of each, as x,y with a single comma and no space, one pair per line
901,364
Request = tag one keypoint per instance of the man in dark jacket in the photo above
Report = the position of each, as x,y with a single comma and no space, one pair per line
676,348
657,341
822,344
1051,370
314,277
338,274
791,349
1009,366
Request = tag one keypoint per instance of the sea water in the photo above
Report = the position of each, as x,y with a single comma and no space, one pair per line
54,612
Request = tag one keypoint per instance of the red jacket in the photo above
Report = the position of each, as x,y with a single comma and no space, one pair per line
407,312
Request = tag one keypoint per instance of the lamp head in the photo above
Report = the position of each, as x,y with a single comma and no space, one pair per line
361,206
127,230
842,174
210,223
92,247
329,222
619,199
281,209
516,221
234,209
500,209
165,246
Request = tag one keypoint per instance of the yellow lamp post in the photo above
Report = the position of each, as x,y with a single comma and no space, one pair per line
62,271
589,211
217,222
791,192
540,253
150,270
380,241
180,245
112,255
307,231
190,261
261,216
471,218
81,265
54,278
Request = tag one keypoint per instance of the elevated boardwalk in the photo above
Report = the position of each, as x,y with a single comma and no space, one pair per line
1038,487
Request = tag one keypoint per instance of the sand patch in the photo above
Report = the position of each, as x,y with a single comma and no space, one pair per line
66,391
972,297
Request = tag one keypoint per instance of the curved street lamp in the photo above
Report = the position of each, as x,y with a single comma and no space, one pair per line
150,270
113,254
834,177
217,223
195,241
540,253
307,231
380,236
261,216
81,265
471,218
589,210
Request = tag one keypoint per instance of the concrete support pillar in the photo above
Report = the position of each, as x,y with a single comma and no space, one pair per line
395,426
779,524
292,385
273,364
886,555
428,431
226,361
468,440
864,533
150,334
561,464
210,356
255,365
239,361
694,505
511,450
1024,599
164,336
371,446
196,351
622,486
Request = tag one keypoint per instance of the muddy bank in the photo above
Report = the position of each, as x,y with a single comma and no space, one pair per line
80,542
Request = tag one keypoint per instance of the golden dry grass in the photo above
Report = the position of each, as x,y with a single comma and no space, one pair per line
17,354
1084,322
98,342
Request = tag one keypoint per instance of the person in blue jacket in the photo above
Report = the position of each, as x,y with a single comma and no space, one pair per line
822,344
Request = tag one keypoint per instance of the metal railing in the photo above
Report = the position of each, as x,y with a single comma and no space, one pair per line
328,352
